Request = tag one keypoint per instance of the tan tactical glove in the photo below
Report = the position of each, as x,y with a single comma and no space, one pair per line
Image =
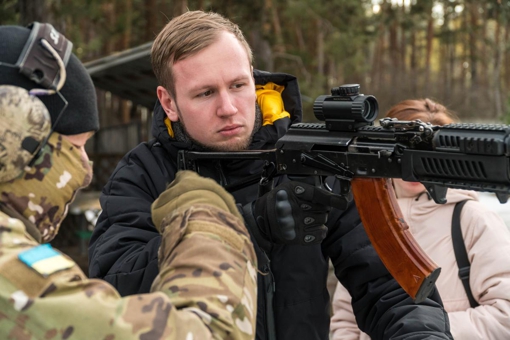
188,189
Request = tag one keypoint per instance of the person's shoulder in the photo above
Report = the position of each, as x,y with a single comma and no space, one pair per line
7,222
12,231
147,161
141,149
477,210
144,155
33,267
478,219
262,76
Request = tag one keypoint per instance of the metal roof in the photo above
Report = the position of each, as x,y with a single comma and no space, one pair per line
127,74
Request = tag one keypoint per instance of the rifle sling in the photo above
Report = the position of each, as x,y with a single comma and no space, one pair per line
460,252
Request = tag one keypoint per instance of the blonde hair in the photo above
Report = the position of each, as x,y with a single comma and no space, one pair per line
186,35
425,110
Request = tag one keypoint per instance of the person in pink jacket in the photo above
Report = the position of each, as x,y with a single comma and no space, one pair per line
487,241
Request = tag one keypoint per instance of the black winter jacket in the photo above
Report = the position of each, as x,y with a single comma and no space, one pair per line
293,302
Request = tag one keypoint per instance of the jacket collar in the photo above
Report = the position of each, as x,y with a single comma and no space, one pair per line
265,136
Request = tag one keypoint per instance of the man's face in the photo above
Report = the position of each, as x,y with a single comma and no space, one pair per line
215,95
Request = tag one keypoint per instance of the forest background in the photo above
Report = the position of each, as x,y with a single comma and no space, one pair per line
454,51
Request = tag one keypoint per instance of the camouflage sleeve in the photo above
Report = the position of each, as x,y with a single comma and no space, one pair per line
214,274
206,288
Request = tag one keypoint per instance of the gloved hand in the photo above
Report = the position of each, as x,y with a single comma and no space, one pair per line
289,214
187,189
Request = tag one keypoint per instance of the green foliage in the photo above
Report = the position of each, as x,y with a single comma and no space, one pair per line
327,42
341,24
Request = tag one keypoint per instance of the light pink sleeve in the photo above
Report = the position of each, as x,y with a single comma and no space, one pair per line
343,324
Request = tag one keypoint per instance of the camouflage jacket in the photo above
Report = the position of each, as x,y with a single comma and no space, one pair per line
206,288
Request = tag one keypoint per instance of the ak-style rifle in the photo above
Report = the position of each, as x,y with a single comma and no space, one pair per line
363,157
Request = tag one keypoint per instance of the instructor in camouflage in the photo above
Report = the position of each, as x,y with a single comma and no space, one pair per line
206,287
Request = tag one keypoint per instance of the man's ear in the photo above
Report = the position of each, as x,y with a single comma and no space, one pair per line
168,104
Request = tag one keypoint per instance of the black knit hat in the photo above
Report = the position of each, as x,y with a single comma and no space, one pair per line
81,113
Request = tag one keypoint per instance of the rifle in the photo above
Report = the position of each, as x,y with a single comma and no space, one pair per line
364,157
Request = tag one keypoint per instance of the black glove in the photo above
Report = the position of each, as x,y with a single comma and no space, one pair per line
288,214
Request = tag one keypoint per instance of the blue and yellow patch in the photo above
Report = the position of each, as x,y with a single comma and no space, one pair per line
45,260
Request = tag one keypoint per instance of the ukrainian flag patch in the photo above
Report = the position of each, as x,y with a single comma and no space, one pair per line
45,260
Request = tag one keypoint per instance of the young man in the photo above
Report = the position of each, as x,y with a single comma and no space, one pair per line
43,163
210,98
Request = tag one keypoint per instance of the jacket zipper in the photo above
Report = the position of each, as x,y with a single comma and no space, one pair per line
223,178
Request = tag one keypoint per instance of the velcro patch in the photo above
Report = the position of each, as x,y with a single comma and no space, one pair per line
45,260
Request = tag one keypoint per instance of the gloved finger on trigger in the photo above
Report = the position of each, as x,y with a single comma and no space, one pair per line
327,198
317,196
302,191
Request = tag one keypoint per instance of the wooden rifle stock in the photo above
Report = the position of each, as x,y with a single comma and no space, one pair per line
390,235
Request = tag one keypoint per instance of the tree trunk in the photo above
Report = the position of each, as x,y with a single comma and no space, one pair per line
30,11
378,58
320,47
108,10
403,44
506,25
127,9
446,67
413,64
394,56
125,106
484,48
498,104
299,37
428,52
151,20
279,44
473,52
165,13
180,7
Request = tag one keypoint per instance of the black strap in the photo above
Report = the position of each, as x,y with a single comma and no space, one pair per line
264,268
460,252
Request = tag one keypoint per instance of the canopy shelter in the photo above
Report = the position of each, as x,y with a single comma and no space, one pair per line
127,74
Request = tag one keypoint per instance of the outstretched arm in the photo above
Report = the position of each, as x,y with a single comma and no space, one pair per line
206,288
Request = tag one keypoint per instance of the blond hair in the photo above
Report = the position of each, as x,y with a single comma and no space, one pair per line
186,35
